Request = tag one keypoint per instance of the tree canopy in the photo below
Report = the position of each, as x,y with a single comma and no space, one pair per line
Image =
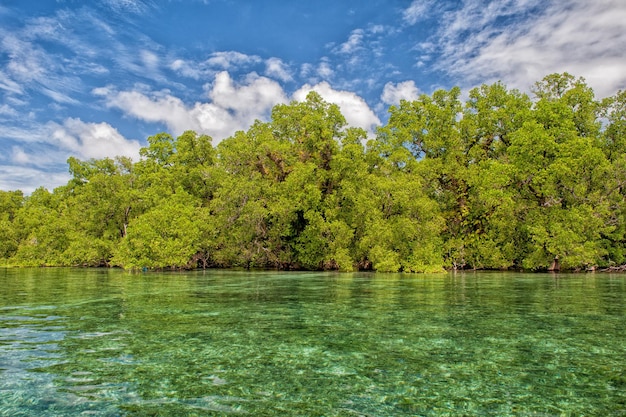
502,180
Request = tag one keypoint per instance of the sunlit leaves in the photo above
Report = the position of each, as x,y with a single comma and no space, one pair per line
165,236
500,181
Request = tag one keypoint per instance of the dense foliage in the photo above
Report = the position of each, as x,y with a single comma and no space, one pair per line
503,180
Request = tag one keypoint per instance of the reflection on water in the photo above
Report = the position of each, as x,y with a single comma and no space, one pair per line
110,343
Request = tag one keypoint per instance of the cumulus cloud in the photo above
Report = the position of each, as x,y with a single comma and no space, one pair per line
232,107
254,97
353,107
393,93
276,68
324,70
581,37
39,157
91,140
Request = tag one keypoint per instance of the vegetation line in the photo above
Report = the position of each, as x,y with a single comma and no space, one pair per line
503,180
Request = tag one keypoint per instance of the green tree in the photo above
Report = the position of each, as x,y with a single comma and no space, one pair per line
429,127
561,176
194,162
42,230
10,204
166,236
500,181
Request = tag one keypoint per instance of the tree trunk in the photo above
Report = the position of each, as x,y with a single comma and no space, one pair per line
556,266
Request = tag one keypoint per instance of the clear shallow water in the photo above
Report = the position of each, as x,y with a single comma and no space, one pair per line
111,343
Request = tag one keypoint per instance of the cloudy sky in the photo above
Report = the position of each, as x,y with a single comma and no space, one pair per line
96,78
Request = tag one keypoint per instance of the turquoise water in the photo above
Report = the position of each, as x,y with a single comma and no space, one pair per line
110,343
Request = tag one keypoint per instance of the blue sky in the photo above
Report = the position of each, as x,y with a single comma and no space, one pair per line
94,79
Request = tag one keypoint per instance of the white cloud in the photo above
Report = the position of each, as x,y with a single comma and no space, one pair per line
88,46
229,59
30,66
324,70
353,44
28,179
233,106
353,107
306,70
418,10
8,84
18,156
127,6
91,140
26,61
188,69
5,110
578,36
275,67
57,96
393,93
249,100
363,46
39,158
154,108
150,60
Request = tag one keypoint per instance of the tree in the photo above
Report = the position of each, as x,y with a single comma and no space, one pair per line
193,164
560,173
42,230
10,204
166,236
499,181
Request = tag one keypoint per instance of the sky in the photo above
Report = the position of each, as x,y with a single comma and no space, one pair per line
95,79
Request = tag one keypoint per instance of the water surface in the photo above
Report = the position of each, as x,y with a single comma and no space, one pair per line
111,343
